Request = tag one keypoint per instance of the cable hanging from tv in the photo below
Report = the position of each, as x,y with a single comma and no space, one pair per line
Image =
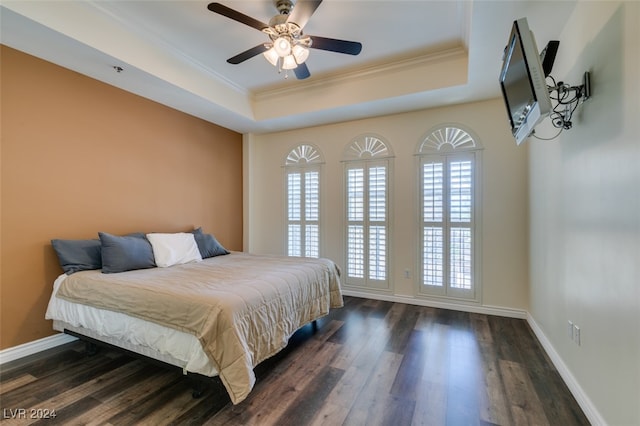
567,99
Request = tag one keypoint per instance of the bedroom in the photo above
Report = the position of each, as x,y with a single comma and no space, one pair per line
108,171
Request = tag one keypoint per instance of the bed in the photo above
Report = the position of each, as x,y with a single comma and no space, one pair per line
218,316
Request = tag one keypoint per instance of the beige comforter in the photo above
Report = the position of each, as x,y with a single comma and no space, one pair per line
243,308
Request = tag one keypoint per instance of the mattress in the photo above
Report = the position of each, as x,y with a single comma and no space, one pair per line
146,338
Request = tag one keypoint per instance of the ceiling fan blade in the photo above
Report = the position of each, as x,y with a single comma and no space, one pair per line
335,45
247,54
236,16
302,11
302,71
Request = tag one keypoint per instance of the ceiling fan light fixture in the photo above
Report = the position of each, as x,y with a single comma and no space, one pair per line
300,53
289,62
288,47
282,46
272,56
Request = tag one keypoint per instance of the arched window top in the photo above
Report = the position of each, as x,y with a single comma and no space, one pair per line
447,137
366,147
303,154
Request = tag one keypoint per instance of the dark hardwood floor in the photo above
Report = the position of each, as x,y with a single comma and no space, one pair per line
369,363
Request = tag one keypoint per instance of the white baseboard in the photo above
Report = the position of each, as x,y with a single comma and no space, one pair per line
478,309
30,348
578,393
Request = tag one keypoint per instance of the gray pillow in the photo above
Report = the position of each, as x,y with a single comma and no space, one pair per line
126,253
78,255
208,245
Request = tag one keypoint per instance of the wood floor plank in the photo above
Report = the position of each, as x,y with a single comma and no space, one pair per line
166,405
524,403
381,309
369,339
480,325
55,383
409,377
437,357
375,391
330,414
401,330
301,411
506,338
293,385
393,410
493,405
431,405
559,404
372,339
431,397
128,395
149,406
358,370
463,383
9,385
44,363
426,318
65,402
530,348
205,409
284,388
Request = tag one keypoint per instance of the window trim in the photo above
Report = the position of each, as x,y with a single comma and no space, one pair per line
365,151
303,158
447,142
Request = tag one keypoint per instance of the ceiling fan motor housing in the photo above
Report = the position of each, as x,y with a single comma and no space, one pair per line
283,6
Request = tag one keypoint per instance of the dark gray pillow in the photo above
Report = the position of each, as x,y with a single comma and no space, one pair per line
208,245
78,255
126,253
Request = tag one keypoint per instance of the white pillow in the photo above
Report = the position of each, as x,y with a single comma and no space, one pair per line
174,249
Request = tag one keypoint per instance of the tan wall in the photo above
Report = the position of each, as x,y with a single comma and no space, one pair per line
585,215
504,194
79,156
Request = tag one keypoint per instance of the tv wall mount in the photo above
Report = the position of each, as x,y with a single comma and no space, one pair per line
567,98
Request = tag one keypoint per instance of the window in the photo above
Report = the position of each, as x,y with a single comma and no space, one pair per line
302,167
367,212
449,200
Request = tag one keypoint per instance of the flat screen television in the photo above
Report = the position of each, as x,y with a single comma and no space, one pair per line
523,83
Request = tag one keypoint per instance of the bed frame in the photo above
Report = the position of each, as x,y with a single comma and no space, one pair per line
199,382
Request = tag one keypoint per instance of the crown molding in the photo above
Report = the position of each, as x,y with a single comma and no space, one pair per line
379,69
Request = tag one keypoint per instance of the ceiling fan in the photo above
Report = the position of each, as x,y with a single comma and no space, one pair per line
288,47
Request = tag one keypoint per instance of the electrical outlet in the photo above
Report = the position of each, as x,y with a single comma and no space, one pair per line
570,330
576,334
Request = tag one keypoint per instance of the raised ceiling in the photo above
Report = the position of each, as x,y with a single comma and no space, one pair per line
416,54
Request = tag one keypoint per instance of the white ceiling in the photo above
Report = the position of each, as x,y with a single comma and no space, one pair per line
416,54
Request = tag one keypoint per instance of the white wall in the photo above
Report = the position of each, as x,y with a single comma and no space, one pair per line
585,214
504,186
